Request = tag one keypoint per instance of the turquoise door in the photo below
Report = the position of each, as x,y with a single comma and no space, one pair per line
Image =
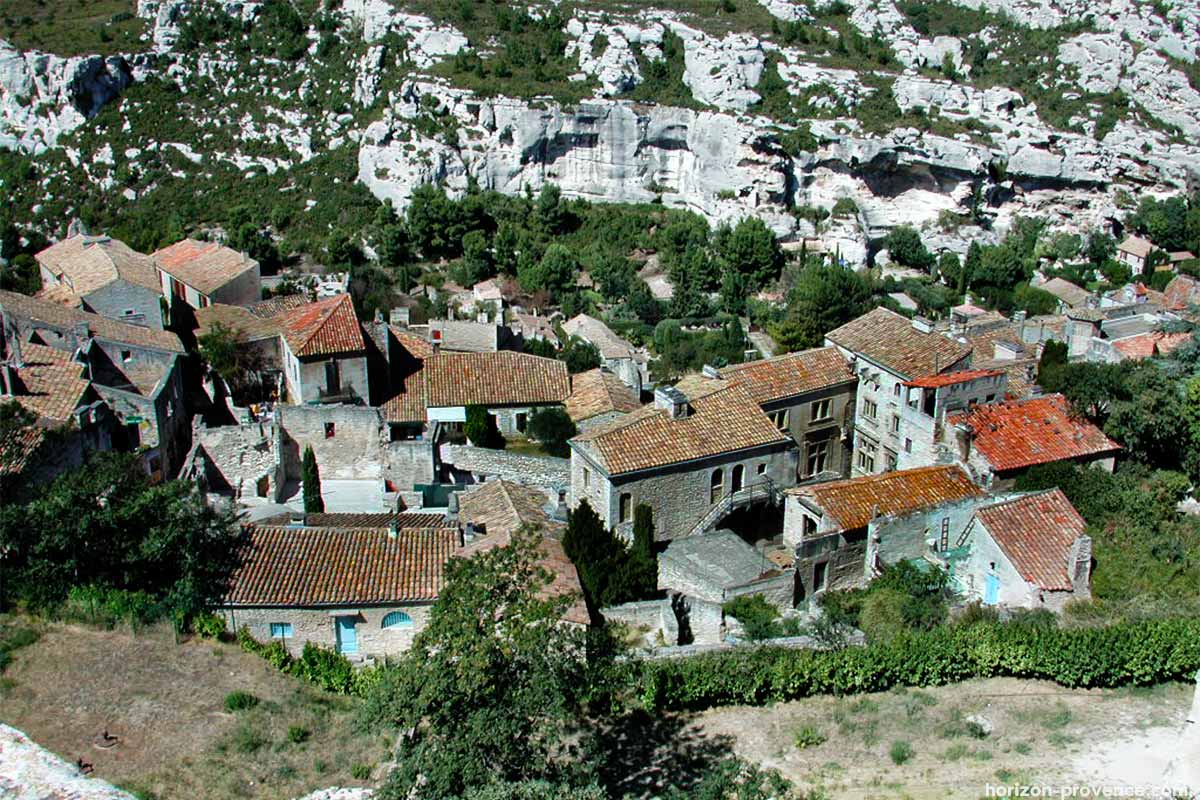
991,590
347,641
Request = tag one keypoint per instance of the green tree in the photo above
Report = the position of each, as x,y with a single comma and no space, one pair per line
579,355
751,250
642,303
480,429
555,273
688,300
106,525
477,259
950,270
310,477
1191,423
434,222
550,210
552,427
643,564
1034,301
609,572
493,691
1100,248
906,248
824,297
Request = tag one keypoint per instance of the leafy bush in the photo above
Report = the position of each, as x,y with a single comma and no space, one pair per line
248,739
297,734
480,429
209,626
98,605
882,615
240,701
900,751
758,617
809,736
552,427
361,772
1138,653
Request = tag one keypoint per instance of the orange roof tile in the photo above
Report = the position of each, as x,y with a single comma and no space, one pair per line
1036,532
18,447
1151,343
205,266
340,567
1181,292
598,391
724,421
84,264
493,379
854,502
52,385
349,520
890,340
275,305
247,326
323,328
1023,433
951,378
31,308
417,346
790,375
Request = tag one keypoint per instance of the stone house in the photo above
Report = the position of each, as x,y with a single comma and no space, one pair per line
619,356
997,442
202,273
810,397
598,396
323,352
104,276
692,460
1068,294
718,566
364,592
1133,252
886,350
927,400
827,524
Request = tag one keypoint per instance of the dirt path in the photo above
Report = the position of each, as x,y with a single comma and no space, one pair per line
1041,734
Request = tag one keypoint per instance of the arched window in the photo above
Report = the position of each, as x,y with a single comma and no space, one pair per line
717,486
739,477
397,619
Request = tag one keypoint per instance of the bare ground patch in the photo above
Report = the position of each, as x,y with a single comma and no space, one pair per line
166,704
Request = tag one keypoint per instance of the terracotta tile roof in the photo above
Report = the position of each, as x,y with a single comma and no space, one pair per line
417,346
1022,433
52,385
18,448
724,421
343,520
951,378
1036,532
87,263
598,391
340,567
54,315
593,330
248,326
275,305
890,340
408,404
1136,246
502,507
493,379
1066,291
854,502
1180,255
983,338
1181,292
1147,345
205,266
790,375
323,328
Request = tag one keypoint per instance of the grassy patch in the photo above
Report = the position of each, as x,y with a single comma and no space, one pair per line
72,27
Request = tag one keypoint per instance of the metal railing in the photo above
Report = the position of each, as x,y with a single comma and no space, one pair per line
762,489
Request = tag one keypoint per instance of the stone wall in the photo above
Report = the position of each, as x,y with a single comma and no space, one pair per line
482,463
355,450
318,625
779,590
899,538
806,432
239,457
306,379
838,556
119,297
407,463
245,288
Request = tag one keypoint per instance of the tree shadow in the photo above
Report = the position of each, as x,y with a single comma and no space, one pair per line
646,754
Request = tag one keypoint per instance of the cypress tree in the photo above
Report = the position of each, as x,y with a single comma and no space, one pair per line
311,477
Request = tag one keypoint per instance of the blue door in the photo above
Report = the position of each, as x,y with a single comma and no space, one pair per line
347,641
991,590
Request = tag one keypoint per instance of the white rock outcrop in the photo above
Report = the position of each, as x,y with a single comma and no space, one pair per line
428,42
31,772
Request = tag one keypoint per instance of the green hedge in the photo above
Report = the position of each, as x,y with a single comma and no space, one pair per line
323,668
1129,653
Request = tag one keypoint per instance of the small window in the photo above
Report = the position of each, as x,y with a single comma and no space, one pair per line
587,478
820,576
990,398
330,430
889,460
896,390
716,485
129,312
869,409
397,619
895,423
521,420
625,507
281,630
126,356
780,419
908,445
762,468
821,410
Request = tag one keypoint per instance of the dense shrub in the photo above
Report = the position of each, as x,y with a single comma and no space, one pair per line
1139,653
323,668
755,613
240,701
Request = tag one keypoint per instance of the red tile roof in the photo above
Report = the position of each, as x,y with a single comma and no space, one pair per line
597,392
1136,246
1036,532
890,340
18,447
724,421
790,375
1023,433
1181,292
326,327
1153,343
854,502
205,266
340,567
951,378
85,264
347,520
494,379
51,383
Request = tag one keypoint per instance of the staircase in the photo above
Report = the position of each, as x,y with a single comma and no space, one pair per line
763,489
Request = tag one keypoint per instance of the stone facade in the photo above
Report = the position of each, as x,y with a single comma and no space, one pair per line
922,410
988,559
238,460
467,464
319,626
819,433
348,441
680,495
309,379
127,302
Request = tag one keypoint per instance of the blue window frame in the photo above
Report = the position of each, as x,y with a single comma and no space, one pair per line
397,619
281,630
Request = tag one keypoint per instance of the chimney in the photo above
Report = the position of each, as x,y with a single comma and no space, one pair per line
399,316
671,400
452,508
923,325
709,371
298,519
393,528
82,333
1019,316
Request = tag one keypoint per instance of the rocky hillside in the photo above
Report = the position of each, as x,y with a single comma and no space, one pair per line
954,117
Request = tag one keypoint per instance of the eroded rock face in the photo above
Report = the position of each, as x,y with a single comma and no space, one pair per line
32,772
42,96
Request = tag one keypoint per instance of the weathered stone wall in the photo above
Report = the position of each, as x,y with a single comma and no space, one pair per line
900,538
407,463
354,451
778,590
805,431
1014,590
481,463
246,288
240,457
306,379
841,558
318,625
120,297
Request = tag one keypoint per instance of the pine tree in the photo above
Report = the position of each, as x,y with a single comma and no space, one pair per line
311,477
643,566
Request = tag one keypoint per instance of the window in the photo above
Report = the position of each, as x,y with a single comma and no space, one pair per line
810,527
397,619
817,459
587,478
820,575
896,390
908,445
739,477
870,409
126,356
821,410
333,377
990,398
866,455
716,485
895,426
780,419
330,430
129,312
625,507
762,468
281,630
889,460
